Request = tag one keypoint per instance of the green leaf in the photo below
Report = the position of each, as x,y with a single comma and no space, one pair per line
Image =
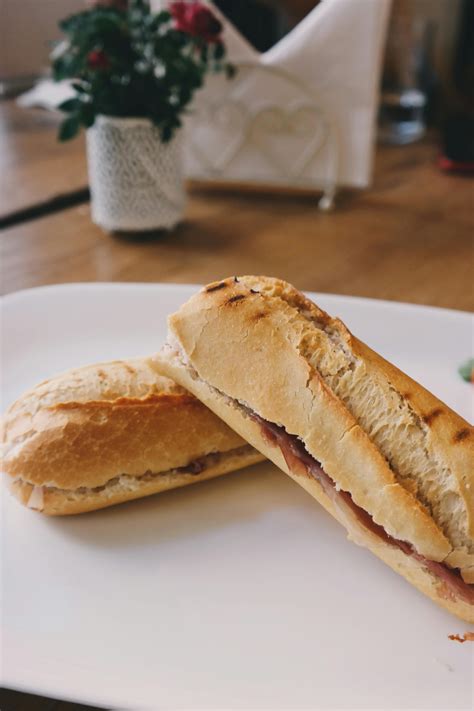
74,23
69,105
87,114
80,88
108,23
219,50
163,16
466,370
69,128
68,66
166,133
60,69
230,71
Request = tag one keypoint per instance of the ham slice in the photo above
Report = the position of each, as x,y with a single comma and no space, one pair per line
298,459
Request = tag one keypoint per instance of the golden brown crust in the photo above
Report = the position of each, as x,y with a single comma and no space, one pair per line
412,569
448,437
269,324
373,428
61,502
92,424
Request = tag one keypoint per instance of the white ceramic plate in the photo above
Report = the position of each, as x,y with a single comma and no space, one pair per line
239,593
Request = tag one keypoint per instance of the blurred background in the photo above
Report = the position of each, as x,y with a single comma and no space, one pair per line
430,42
434,24
428,70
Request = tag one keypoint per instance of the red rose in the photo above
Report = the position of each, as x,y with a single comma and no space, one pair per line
97,59
197,20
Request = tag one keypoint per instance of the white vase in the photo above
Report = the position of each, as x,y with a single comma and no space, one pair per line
136,180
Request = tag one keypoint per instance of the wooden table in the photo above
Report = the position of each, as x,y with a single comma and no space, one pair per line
408,238
36,171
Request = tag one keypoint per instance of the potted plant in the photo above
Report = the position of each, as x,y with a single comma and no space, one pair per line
134,73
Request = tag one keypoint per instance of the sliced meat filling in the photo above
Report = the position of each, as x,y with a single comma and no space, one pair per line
298,459
194,468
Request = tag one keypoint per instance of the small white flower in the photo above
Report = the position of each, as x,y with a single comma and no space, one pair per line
160,70
60,50
141,67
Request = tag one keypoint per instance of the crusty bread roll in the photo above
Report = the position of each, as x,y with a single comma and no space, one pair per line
112,432
390,461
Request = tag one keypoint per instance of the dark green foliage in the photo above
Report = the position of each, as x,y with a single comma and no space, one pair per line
69,128
132,63
466,370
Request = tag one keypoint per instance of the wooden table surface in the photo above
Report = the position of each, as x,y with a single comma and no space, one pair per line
409,238
34,167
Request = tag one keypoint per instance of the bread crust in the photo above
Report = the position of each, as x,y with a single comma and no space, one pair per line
170,362
448,436
62,502
90,425
282,386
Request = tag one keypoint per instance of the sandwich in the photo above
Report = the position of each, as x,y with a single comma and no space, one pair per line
391,462
108,433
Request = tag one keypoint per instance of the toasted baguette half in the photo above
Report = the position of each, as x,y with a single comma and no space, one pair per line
390,461
107,433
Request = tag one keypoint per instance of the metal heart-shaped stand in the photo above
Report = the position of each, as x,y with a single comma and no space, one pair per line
268,131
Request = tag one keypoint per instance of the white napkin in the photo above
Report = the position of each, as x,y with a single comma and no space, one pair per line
305,115
46,94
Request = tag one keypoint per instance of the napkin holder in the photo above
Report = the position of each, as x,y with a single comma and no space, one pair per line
302,114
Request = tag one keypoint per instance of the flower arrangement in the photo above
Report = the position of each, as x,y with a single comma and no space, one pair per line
127,61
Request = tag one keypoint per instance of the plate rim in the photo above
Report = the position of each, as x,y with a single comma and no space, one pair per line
6,299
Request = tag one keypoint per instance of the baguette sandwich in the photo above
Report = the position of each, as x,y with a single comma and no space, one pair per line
386,458
108,433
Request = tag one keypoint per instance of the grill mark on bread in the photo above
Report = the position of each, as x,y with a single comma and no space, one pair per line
428,419
233,299
259,315
129,368
216,287
460,435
